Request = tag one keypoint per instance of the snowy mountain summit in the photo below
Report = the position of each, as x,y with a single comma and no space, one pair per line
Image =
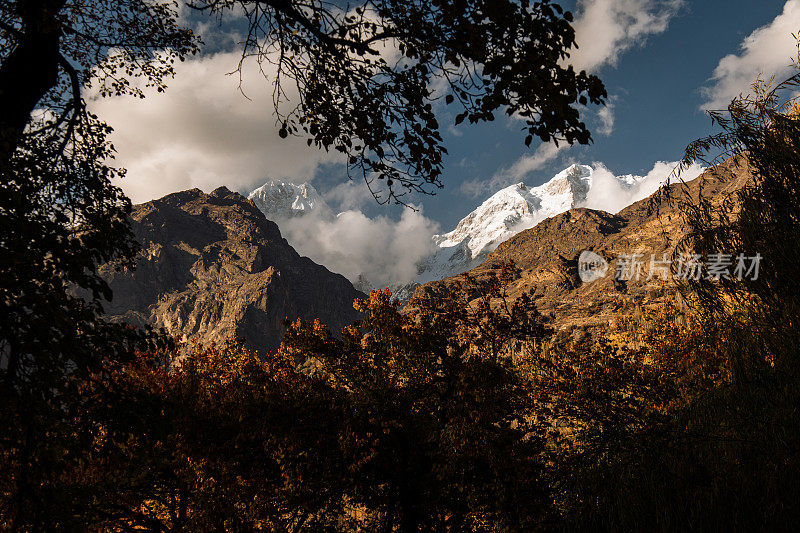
506,213
281,199
503,215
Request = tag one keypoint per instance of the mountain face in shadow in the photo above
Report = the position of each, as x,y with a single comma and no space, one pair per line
212,265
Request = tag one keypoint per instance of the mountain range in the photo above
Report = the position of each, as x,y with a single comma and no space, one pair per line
546,256
216,265
501,216
506,213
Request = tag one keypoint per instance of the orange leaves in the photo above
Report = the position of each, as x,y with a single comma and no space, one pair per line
378,307
375,299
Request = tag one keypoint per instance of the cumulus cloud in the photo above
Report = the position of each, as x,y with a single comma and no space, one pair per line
528,163
383,250
203,132
350,195
604,29
608,193
769,50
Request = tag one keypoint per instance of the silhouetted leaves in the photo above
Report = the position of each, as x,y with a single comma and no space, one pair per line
61,217
364,77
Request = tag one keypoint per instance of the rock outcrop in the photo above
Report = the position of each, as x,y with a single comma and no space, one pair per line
211,265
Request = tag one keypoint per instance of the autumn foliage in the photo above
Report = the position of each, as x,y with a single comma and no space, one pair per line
460,413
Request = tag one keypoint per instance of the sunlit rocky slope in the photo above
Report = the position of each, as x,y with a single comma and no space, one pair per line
211,265
546,255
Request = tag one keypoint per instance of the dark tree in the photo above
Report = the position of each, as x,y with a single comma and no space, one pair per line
736,451
406,422
437,433
365,75
60,216
759,145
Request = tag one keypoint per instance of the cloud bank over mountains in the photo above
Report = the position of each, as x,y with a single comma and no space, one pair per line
608,194
381,249
203,131
389,251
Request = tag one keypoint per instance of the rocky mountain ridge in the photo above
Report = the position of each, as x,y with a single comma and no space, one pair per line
212,265
505,213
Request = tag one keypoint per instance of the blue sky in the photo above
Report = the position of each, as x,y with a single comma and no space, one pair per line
656,98
655,57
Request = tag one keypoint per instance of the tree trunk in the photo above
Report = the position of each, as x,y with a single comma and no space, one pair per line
30,70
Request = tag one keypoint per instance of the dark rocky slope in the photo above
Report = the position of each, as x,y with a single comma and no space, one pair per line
212,265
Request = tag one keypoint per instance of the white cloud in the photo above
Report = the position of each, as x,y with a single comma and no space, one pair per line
455,132
607,193
769,50
202,132
544,154
606,118
384,250
528,163
604,29
349,195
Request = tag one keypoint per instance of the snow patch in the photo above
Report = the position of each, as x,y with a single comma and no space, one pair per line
281,199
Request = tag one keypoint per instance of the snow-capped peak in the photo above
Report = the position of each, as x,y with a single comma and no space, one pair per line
571,185
281,199
505,213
